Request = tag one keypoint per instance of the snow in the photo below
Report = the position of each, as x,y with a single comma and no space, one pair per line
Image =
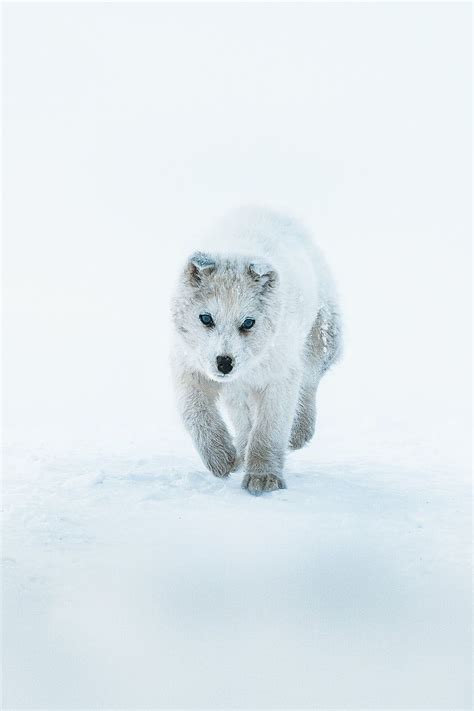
131,577
141,581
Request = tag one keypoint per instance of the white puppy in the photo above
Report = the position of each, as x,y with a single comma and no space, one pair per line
256,325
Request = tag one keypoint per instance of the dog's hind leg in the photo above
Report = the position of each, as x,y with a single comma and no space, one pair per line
323,347
240,415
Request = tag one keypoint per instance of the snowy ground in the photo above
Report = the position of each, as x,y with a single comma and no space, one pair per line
131,577
136,579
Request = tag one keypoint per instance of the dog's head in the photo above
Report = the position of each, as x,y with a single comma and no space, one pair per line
226,311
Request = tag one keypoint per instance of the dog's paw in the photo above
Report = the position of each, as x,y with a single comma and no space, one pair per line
257,484
221,460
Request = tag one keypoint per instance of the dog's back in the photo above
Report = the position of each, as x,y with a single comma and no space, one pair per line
283,242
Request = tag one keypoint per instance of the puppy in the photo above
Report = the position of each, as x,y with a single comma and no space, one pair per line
256,324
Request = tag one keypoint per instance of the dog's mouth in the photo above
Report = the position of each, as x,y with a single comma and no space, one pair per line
219,377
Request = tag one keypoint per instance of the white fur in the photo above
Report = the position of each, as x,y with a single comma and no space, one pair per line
259,264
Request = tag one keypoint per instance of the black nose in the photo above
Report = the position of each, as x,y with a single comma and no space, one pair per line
224,364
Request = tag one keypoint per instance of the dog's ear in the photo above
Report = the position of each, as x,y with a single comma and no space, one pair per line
199,264
263,273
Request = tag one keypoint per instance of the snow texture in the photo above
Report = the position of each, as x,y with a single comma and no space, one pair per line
132,578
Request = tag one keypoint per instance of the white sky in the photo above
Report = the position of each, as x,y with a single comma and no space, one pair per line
129,128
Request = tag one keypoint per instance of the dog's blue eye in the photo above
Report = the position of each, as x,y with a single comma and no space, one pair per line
248,323
206,319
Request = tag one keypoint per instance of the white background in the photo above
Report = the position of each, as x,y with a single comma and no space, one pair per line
128,128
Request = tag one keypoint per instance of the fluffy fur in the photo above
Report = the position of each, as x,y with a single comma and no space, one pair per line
260,265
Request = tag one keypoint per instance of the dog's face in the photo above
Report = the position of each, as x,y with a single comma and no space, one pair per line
226,312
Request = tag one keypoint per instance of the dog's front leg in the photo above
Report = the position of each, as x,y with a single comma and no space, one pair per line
197,404
265,455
